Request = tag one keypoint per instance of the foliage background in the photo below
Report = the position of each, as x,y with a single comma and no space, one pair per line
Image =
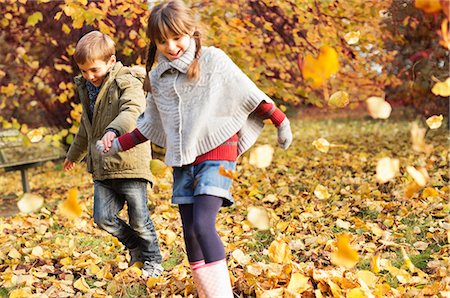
398,55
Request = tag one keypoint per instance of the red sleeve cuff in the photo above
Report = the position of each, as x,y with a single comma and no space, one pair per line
131,139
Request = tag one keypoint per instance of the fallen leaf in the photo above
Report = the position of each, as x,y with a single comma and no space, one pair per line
279,252
299,283
321,192
442,88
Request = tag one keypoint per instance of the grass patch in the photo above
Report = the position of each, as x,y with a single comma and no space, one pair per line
364,264
4,293
176,257
261,241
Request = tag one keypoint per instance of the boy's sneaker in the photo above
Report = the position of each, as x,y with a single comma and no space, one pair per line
151,269
135,256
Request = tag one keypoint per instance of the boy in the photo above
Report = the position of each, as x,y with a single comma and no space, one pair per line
112,99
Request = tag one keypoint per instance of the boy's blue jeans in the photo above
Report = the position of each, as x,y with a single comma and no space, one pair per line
109,198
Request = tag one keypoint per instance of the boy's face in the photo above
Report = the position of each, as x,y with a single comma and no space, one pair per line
173,47
95,71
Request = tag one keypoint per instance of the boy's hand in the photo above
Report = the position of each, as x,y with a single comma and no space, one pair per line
115,147
68,165
284,134
107,140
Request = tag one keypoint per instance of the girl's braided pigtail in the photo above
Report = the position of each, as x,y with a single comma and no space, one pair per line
148,66
194,69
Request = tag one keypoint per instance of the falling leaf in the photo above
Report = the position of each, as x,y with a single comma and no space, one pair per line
279,252
35,135
428,6
259,218
442,88
322,145
70,207
352,37
158,168
261,156
420,176
387,169
344,255
339,99
321,192
81,285
434,122
378,108
227,173
30,203
316,71
418,139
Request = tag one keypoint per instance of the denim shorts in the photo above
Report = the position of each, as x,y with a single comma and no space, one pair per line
202,179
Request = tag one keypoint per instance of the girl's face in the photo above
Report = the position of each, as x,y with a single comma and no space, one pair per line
96,70
174,46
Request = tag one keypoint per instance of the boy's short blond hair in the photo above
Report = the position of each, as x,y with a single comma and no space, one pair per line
94,46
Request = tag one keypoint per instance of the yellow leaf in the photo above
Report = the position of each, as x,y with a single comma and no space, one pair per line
344,255
158,168
434,122
428,6
299,283
20,293
316,71
81,285
279,252
420,176
321,192
442,88
339,99
387,169
35,135
70,207
378,108
261,156
375,264
8,90
66,261
170,237
227,173
367,277
411,189
14,254
259,218
240,257
352,37
65,29
37,251
322,145
34,18
30,203
430,192
418,139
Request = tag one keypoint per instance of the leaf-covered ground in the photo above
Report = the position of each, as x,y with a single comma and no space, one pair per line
402,241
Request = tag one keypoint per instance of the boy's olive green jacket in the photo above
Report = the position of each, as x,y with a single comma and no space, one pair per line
119,103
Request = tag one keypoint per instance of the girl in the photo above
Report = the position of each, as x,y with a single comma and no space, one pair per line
206,112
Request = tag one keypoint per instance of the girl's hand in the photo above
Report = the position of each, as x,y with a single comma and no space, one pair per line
284,134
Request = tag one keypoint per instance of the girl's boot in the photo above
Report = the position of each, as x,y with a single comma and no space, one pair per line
212,280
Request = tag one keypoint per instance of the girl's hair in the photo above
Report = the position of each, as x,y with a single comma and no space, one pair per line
166,19
94,46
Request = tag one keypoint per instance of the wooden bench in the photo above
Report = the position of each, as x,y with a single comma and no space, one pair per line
15,156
